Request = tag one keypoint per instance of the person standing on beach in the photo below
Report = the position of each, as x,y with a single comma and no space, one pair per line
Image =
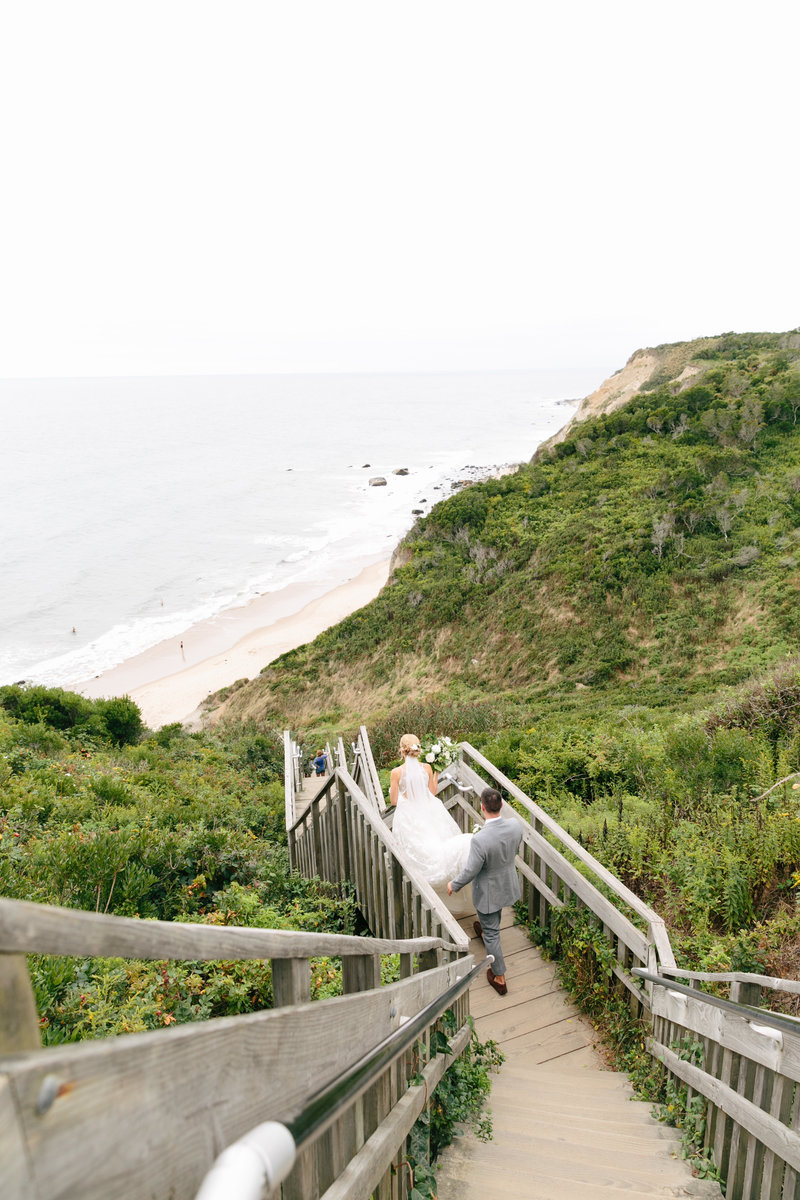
491,871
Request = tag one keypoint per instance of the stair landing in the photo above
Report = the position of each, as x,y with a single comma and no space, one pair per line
564,1126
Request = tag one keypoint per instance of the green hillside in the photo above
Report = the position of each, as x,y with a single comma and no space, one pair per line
651,558
617,625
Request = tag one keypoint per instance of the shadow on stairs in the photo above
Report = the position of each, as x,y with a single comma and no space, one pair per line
564,1126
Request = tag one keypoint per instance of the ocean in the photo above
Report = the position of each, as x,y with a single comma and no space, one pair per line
133,508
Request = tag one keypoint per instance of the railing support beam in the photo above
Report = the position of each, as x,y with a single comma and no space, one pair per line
19,1019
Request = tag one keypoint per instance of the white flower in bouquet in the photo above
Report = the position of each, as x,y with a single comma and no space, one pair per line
439,752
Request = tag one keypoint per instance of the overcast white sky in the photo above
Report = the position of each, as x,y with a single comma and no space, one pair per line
276,185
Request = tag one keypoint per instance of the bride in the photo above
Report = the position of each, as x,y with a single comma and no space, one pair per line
423,828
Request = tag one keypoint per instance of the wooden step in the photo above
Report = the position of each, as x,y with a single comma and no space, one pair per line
564,1126
539,1182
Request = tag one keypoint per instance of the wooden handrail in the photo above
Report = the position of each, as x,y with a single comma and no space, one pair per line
376,823
278,1152
31,928
369,762
764,981
181,1093
323,791
615,885
582,887
288,779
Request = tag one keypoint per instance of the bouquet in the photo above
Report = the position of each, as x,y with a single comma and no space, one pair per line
439,752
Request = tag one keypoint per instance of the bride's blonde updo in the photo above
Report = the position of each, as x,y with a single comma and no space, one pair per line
409,745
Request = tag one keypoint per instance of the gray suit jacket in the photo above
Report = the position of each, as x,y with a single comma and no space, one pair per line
490,865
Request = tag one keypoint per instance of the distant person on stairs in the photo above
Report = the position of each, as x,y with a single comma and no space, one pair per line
320,763
491,871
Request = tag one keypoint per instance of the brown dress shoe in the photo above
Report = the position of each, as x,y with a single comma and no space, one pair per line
476,925
500,988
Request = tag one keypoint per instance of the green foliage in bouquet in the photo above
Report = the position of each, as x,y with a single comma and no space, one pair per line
438,752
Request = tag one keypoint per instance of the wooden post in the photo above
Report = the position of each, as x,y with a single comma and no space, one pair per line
430,959
360,972
347,861
19,1020
291,981
319,866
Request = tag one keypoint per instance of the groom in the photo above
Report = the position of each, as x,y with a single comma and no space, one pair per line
491,871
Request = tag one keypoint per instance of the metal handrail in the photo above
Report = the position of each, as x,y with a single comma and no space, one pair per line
267,1153
764,1017
462,787
773,982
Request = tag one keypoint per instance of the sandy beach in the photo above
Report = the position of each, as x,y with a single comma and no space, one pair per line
171,680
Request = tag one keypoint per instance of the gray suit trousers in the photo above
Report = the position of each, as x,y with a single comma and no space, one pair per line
491,939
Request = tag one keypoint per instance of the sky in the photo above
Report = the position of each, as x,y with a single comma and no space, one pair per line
309,185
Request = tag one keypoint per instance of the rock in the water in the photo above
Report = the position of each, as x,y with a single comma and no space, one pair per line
364,466
418,511
377,481
401,471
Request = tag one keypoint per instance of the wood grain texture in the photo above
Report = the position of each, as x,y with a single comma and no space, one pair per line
14,1171
732,1031
361,1177
19,1020
45,929
741,977
383,836
182,1095
745,1114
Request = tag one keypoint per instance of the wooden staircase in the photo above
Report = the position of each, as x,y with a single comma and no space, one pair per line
564,1126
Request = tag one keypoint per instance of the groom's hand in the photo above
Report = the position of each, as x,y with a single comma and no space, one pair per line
449,889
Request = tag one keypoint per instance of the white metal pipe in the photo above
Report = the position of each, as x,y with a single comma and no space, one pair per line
265,1155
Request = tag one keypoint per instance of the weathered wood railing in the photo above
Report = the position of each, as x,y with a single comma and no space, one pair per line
741,1059
744,1061
341,836
550,879
292,776
365,772
182,1094
330,765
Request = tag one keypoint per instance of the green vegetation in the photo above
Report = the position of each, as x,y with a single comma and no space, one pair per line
617,627
177,827
459,1101
98,814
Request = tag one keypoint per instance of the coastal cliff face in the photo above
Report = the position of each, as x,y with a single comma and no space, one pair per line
677,363
651,551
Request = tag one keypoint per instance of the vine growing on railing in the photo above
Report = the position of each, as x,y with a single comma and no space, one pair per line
460,1099
688,1114
585,961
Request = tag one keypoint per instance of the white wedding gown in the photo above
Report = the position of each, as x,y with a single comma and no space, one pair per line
424,829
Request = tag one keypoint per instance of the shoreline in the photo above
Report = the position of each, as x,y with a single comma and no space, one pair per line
171,680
